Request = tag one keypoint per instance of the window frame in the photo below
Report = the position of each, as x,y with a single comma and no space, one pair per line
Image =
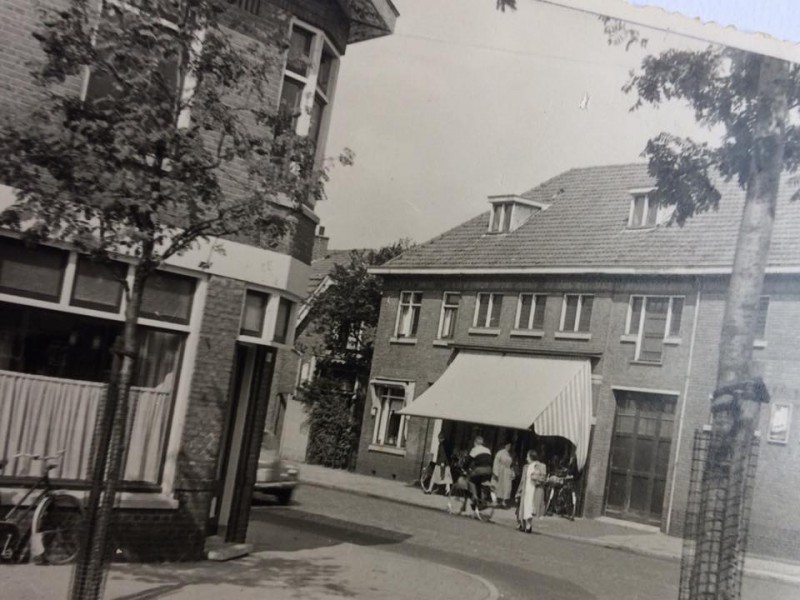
637,336
487,324
444,308
774,408
310,88
761,336
536,305
381,415
410,335
501,217
652,210
578,313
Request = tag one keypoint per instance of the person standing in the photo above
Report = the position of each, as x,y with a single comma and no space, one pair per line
503,474
531,492
441,469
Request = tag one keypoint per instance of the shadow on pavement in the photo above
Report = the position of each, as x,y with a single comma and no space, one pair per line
289,530
252,572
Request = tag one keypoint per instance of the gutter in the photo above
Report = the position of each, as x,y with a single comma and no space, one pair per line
774,270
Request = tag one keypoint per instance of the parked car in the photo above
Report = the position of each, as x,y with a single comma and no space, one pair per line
275,476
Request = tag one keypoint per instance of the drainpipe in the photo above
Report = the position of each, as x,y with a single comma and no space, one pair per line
683,403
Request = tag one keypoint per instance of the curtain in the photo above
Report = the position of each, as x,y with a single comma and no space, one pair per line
47,415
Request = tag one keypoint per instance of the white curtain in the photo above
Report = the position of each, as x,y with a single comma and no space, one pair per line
47,415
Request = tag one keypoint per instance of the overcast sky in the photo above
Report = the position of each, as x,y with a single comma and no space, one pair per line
463,102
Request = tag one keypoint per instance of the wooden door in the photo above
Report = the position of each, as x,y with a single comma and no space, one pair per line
639,459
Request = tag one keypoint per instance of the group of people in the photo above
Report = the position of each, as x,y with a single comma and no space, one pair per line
500,472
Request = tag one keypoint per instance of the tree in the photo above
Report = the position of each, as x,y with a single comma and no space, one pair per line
175,141
345,315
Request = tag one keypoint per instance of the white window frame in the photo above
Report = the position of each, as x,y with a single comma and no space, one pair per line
578,312
380,414
487,322
535,299
189,81
411,305
270,323
662,213
320,43
496,225
445,307
637,337
783,439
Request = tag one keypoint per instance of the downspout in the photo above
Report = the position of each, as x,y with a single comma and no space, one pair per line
683,404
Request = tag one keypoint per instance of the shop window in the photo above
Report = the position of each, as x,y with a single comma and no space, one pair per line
255,307
283,321
53,369
168,297
576,313
408,315
98,285
448,316
34,272
389,425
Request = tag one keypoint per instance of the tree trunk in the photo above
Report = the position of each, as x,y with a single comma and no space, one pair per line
735,410
107,469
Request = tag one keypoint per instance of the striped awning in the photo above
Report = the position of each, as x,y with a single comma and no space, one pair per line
551,395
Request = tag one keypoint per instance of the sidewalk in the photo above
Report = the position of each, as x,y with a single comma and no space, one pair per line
336,572
609,533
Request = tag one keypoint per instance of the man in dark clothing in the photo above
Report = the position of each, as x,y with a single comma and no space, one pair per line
480,469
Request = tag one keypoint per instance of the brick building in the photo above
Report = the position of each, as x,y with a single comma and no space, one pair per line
575,311
210,335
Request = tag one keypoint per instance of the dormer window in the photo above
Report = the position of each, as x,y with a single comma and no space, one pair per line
509,212
645,210
501,217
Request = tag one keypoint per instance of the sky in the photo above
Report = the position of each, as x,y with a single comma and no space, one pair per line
463,102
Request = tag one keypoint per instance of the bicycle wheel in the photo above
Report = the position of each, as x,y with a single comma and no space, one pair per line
59,525
486,504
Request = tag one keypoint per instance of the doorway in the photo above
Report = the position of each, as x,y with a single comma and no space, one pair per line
252,378
639,456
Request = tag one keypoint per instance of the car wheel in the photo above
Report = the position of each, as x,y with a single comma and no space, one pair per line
284,496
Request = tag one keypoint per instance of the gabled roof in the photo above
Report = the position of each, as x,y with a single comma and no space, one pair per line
584,230
322,267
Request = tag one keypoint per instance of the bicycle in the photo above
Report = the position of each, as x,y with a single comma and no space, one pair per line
48,527
482,501
562,497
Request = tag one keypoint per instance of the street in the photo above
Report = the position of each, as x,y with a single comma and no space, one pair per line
520,566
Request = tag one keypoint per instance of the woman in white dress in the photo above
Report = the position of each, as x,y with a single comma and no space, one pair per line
531,492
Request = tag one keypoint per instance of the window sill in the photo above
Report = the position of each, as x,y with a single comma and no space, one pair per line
629,338
672,341
394,450
130,500
530,333
760,344
647,363
403,340
572,335
442,343
484,331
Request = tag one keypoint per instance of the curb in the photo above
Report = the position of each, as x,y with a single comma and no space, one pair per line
755,573
493,592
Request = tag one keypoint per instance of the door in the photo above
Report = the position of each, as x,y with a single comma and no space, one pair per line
639,458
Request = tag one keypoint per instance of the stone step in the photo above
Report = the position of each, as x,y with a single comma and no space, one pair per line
217,549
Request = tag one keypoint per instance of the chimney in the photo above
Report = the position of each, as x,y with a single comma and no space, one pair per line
320,245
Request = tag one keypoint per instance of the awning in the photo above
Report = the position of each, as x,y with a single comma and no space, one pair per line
553,395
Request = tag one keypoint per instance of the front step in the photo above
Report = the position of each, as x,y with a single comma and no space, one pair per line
218,549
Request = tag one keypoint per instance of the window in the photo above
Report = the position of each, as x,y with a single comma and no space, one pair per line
501,217
168,297
761,318
308,82
35,272
408,315
488,310
283,320
389,426
98,285
102,86
576,313
644,211
652,319
780,420
447,318
530,311
253,312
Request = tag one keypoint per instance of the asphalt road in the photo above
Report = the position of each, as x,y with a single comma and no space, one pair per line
521,566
